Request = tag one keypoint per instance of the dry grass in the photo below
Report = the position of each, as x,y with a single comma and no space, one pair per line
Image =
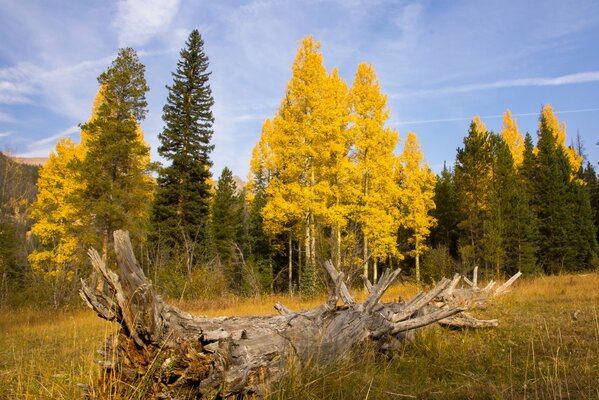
539,351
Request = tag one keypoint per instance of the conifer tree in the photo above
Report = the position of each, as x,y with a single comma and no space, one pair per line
115,169
417,183
567,235
227,229
589,177
552,177
473,173
445,233
181,208
510,241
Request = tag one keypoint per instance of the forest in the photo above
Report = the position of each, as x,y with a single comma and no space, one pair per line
329,180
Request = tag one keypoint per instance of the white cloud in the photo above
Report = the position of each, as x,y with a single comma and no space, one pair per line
138,21
580,77
4,134
61,88
52,139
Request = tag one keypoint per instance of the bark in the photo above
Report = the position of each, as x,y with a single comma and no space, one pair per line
166,353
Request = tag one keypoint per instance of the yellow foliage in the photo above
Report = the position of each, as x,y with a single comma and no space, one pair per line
374,166
62,226
418,189
480,125
513,138
559,131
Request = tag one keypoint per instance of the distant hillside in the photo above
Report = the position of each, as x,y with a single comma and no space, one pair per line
37,161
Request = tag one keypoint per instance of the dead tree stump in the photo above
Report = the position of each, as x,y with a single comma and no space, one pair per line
177,355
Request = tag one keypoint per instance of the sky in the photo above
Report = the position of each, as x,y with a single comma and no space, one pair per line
439,62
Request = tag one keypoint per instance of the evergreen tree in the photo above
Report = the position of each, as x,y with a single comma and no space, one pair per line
510,242
445,233
473,173
181,207
227,227
552,177
589,176
115,169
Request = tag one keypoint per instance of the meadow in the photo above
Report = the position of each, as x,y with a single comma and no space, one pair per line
546,346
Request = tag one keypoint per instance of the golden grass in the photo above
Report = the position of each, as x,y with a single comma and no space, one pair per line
539,350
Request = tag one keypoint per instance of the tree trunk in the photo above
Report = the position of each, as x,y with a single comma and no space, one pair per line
417,259
290,267
164,352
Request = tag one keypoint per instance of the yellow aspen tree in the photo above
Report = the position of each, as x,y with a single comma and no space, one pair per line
418,189
297,127
373,167
513,138
559,131
61,221
333,164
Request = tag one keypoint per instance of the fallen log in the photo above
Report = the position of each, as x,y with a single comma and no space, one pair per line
173,354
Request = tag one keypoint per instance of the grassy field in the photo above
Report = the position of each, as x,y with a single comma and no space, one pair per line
539,351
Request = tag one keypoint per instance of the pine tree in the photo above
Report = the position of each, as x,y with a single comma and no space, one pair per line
567,235
473,173
552,178
181,208
589,176
227,228
375,168
417,183
115,169
445,233
510,241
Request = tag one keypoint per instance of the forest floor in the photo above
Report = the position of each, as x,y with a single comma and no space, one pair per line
546,346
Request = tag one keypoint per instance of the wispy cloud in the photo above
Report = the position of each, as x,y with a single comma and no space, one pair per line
5,117
43,147
457,119
51,139
138,21
5,134
580,77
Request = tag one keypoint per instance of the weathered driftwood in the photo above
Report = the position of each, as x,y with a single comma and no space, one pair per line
176,355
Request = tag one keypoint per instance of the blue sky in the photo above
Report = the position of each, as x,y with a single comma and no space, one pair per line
440,62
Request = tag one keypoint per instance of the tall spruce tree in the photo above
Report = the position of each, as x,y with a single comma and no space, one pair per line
115,169
181,208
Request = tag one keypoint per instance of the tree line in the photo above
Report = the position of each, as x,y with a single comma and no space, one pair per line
325,183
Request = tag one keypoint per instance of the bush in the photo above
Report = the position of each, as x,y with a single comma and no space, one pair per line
437,263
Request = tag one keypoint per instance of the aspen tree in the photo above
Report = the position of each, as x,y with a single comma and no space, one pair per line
374,168
513,138
418,190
